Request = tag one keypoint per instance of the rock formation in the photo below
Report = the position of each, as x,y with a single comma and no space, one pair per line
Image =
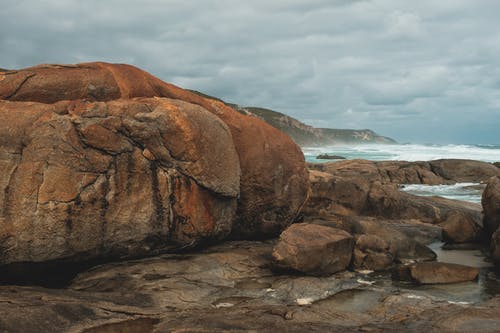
446,171
102,160
380,242
313,249
359,187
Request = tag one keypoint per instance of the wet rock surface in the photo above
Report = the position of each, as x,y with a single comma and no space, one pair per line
231,287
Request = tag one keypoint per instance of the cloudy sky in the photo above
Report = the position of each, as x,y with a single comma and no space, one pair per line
418,71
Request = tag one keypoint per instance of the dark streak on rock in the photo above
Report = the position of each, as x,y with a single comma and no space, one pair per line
19,86
104,207
156,197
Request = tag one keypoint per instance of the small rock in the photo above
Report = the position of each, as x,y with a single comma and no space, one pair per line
313,249
435,273
329,157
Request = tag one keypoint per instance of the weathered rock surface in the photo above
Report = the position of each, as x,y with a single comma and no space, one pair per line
313,249
491,205
230,287
273,183
123,178
437,273
91,169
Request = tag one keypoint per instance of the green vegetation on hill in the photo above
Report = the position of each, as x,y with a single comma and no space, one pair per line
305,135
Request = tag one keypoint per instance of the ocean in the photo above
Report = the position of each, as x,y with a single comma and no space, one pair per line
407,152
418,152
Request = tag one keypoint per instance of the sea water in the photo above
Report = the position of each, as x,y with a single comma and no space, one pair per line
470,192
407,152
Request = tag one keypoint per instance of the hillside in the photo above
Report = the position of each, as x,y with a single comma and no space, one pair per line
306,135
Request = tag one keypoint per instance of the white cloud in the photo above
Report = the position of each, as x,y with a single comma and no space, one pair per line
383,64
403,25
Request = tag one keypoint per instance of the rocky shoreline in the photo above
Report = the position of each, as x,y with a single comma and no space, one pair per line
147,208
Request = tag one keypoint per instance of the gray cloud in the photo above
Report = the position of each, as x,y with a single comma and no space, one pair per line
418,71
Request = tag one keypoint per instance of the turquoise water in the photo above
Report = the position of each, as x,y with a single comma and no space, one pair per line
407,152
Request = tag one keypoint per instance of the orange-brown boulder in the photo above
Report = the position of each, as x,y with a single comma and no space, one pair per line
83,180
313,249
274,181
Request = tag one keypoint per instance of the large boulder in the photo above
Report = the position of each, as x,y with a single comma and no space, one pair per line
91,168
313,249
460,170
119,178
274,182
491,205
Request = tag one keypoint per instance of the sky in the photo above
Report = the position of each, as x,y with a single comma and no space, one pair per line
422,71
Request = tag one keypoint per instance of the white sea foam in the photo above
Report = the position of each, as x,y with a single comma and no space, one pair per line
304,301
460,191
407,152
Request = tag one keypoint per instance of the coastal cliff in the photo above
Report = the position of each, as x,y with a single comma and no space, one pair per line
306,135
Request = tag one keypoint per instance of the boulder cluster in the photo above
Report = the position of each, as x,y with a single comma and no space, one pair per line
391,228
